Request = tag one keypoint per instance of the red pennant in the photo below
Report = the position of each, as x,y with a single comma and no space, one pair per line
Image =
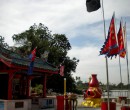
122,51
62,70
110,47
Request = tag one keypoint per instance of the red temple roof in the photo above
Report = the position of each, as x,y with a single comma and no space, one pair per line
15,60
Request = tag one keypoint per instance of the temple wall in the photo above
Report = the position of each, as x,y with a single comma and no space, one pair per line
15,104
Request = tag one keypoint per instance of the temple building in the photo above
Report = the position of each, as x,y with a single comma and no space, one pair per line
15,83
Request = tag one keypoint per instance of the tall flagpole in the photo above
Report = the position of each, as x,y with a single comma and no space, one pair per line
64,86
120,74
120,58
106,59
125,34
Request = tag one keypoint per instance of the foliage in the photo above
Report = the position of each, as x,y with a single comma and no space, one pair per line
80,86
57,44
37,89
119,86
56,82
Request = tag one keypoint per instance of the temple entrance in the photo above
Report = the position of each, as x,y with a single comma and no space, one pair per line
16,88
20,87
4,86
15,83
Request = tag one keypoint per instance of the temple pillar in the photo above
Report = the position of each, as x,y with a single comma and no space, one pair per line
29,86
10,79
44,85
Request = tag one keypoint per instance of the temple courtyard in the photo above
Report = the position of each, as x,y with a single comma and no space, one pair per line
79,106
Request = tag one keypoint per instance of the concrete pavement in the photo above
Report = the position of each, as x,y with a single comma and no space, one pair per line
79,107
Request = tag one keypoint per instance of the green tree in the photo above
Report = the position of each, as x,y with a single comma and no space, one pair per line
57,44
120,85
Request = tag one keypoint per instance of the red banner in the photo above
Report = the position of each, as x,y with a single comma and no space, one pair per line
62,70
122,51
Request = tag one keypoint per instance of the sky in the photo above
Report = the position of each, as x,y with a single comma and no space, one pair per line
84,30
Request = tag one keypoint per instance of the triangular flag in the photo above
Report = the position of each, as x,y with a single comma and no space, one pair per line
110,47
122,51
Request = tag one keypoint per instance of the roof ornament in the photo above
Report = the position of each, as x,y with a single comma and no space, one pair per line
5,45
1,40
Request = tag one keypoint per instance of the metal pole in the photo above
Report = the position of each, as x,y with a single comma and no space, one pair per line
125,35
106,59
120,74
121,93
64,86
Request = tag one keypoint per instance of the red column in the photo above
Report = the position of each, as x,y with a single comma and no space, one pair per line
28,86
60,103
44,85
10,79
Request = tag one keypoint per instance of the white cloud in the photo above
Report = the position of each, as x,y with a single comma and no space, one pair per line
67,17
92,63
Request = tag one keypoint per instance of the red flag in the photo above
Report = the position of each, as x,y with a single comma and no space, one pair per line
32,56
105,48
112,42
122,51
110,47
62,70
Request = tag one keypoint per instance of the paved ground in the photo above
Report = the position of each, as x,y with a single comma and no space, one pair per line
80,100
79,108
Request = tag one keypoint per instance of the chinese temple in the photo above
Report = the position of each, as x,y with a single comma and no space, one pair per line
14,80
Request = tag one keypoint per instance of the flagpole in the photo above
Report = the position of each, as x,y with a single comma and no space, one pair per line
120,74
119,57
106,59
125,34
64,86
118,35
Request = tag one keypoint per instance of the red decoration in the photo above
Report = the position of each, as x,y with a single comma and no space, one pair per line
94,82
94,91
110,47
62,70
104,106
122,51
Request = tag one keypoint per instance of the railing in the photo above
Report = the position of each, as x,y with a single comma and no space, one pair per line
117,93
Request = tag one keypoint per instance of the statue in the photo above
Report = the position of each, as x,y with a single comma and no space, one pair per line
93,94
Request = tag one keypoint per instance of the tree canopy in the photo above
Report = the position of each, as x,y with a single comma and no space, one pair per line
57,45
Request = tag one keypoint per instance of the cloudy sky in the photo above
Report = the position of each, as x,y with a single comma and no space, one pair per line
84,30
